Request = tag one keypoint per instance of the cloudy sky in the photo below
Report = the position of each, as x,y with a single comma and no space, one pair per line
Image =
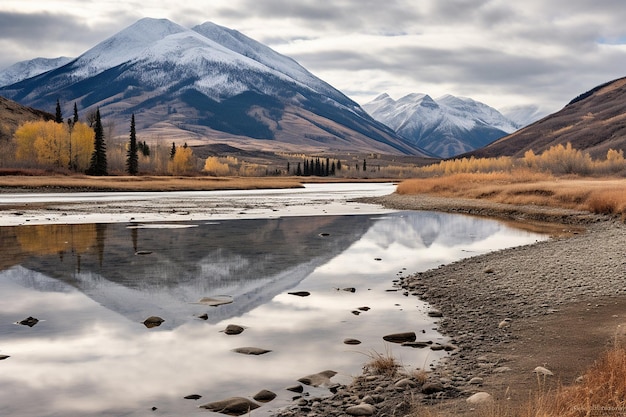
496,51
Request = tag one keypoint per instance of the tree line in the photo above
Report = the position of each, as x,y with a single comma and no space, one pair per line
80,146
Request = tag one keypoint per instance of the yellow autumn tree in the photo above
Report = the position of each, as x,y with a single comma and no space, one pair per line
82,142
55,144
213,166
183,162
25,137
52,144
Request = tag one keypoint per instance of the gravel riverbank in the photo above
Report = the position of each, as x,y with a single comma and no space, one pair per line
556,304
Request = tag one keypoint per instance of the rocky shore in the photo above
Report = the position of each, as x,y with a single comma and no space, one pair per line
523,319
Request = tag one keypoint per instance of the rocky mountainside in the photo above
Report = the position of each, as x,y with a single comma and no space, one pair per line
595,121
13,114
446,126
208,84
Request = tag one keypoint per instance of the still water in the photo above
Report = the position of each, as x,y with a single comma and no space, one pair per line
92,285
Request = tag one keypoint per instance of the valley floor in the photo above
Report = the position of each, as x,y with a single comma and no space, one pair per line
564,301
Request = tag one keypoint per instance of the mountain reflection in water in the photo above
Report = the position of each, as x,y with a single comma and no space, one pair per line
92,285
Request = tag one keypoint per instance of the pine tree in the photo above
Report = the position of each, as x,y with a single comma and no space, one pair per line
327,173
339,165
364,166
98,164
173,151
132,160
298,170
75,114
58,118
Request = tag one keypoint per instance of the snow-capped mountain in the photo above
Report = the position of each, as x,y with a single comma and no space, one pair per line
208,84
446,126
26,69
523,115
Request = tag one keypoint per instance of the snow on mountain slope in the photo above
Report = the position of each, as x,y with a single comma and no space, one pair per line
446,126
205,83
523,115
26,69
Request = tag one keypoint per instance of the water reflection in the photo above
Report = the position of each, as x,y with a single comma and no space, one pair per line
92,286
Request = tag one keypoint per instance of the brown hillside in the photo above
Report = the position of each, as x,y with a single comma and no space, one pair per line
594,121
13,114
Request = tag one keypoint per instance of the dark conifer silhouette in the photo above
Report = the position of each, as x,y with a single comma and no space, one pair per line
132,160
98,164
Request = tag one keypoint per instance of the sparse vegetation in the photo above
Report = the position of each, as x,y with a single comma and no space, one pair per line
600,391
552,179
382,364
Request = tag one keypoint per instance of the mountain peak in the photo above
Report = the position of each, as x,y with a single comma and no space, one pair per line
209,83
446,127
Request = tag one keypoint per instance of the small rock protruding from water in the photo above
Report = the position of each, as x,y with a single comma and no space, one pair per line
350,341
349,289
204,316
264,396
300,293
215,301
400,337
320,378
192,397
29,321
233,329
295,388
3,357
435,313
234,406
153,321
251,351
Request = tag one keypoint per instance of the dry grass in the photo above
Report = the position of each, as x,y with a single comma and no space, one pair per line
596,195
143,183
382,364
600,392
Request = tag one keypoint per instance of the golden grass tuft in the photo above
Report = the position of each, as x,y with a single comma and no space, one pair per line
382,364
602,391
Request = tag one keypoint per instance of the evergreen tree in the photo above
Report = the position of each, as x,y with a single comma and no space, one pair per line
58,117
333,169
75,114
288,168
298,170
144,148
173,151
364,166
98,164
306,167
339,165
132,160
327,173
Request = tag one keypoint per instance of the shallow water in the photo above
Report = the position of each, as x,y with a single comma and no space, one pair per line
92,285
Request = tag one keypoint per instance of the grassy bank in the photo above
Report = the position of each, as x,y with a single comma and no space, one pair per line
524,187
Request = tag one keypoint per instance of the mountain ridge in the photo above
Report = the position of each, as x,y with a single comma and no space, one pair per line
445,126
594,121
182,83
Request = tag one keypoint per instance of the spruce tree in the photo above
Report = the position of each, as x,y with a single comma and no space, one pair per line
132,160
98,164
173,150
58,117
75,114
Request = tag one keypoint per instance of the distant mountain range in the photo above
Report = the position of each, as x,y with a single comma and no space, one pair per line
446,126
595,121
207,84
